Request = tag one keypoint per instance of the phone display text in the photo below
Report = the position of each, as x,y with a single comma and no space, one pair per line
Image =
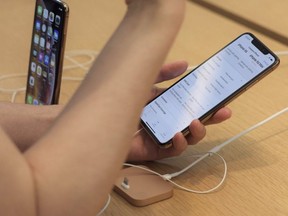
212,83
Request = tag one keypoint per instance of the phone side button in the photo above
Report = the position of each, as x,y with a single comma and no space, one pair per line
186,132
207,118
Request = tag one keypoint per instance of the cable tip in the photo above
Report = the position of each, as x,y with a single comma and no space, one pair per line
125,183
167,177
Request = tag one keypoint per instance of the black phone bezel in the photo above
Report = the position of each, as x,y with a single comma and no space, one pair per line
261,46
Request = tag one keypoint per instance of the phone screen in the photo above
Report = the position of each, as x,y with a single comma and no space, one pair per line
46,55
208,87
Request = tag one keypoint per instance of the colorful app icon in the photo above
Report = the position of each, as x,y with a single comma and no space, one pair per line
42,42
58,20
39,10
35,53
45,14
46,60
44,27
37,25
29,99
39,70
33,66
35,102
53,58
36,39
31,81
56,34
44,74
51,16
48,45
50,31
41,57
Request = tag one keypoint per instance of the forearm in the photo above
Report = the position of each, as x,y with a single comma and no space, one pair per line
75,164
16,185
25,124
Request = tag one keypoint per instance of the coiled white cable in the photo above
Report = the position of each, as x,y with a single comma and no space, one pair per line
70,56
214,151
168,177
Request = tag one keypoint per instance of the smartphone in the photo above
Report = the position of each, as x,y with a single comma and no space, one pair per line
207,88
46,53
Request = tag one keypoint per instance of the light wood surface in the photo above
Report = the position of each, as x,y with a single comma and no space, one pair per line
257,182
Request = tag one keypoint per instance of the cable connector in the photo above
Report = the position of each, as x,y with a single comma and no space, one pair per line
143,188
125,183
166,177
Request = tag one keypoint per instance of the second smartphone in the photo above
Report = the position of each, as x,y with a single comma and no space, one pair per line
207,88
46,53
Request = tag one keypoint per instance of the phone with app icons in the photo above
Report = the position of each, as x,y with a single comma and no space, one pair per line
207,88
47,52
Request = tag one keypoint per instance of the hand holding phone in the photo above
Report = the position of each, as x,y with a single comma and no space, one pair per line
47,51
207,88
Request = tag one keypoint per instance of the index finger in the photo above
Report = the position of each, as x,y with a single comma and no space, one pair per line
172,70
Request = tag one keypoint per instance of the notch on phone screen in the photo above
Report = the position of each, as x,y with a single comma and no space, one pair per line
207,88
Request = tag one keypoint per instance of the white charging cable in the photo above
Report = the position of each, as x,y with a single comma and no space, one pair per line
222,145
214,151
281,53
105,206
87,58
168,177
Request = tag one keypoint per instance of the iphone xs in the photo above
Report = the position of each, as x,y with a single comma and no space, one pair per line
46,53
206,89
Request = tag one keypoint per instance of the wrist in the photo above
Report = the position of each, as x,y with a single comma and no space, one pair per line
155,10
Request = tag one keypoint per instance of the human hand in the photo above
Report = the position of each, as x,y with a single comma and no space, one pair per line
144,148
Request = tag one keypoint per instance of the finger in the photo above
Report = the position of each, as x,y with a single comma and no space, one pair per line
220,116
172,70
156,91
197,132
179,145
